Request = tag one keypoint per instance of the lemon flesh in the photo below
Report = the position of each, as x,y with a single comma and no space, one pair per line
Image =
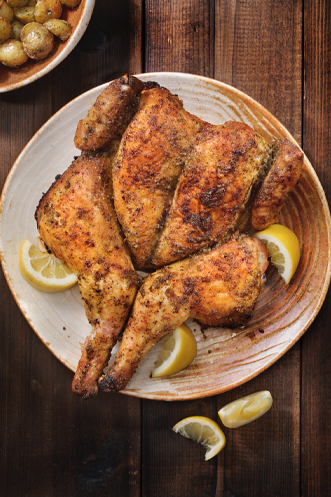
203,431
43,270
177,353
242,411
283,247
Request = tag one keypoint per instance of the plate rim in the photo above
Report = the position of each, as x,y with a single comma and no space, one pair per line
322,197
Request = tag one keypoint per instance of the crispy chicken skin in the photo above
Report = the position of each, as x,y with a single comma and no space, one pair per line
77,221
110,114
150,159
221,170
281,179
218,287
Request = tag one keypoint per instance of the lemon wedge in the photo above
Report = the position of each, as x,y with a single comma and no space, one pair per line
204,431
283,247
177,353
43,270
242,411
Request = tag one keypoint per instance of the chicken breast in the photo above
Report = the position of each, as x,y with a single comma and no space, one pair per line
219,287
77,222
221,170
150,159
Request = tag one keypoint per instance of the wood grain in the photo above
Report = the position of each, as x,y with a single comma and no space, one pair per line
52,442
316,347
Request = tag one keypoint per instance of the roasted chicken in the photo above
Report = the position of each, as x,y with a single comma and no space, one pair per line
218,288
77,222
179,185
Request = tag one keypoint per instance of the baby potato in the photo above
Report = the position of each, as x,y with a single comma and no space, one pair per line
24,14
47,9
59,28
38,43
6,11
17,28
16,4
5,29
70,3
12,53
27,28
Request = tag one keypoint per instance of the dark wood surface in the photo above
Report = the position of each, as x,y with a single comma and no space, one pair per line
55,444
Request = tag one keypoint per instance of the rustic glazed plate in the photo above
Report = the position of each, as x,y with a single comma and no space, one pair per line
12,78
226,358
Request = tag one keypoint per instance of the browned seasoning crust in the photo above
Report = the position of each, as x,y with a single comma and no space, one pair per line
217,287
77,221
150,159
281,179
222,168
110,114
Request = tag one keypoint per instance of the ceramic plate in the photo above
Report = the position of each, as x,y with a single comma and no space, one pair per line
12,78
226,358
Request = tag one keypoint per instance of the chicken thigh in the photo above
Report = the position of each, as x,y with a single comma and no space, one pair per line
77,222
218,287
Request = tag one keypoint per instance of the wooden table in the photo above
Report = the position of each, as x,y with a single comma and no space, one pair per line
55,444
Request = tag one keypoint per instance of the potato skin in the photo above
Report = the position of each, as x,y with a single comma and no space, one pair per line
17,28
70,3
17,3
47,9
38,43
6,11
59,28
5,30
12,53
24,14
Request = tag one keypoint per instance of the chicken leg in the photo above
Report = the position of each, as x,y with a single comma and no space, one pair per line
77,221
218,288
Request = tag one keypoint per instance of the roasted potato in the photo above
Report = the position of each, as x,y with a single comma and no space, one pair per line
24,14
17,28
12,53
27,28
47,9
38,43
5,29
6,11
59,28
16,4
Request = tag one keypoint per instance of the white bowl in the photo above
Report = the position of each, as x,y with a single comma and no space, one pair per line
12,78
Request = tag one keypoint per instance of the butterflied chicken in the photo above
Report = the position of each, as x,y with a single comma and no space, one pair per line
77,222
218,287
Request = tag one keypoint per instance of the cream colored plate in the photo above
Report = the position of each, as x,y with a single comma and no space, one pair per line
226,358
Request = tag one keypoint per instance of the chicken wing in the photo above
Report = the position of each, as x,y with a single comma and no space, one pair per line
280,180
218,287
212,192
77,222
150,159
110,114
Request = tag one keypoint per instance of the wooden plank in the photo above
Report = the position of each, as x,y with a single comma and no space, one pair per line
250,42
316,387
180,36
54,443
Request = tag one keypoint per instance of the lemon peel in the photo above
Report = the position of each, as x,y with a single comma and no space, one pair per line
43,270
283,247
203,431
177,353
242,411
